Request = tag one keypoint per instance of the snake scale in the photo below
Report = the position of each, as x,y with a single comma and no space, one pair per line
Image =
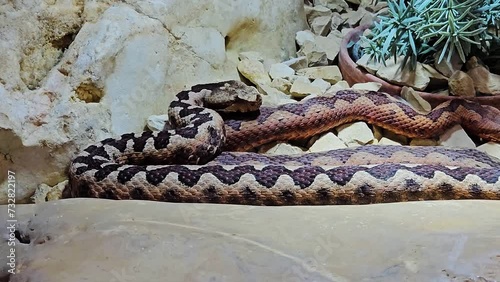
199,157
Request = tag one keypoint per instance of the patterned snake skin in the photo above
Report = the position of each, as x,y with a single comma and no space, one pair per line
191,161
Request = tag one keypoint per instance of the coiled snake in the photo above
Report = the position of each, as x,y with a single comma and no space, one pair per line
193,162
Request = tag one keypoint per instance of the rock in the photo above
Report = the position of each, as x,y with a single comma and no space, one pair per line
456,137
335,5
315,12
326,142
331,74
484,82
301,37
336,22
368,64
448,68
302,87
70,74
297,63
330,44
157,122
140,240
254,71
282,85
341,85
251,55
321,25
354,16
461,84
274,97
321,84
45,193
357,133
281,71
417,79
437,80
490,148
415,100
371,86
281,149
387,141
316,56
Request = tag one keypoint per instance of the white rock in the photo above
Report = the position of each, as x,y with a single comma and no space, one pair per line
302,87
387,141
282,149
329,44
372,86
316,55
357,133
321,25
281,70
157,122
321,84
490,148
282,85
301,37
326,142
331,74
254,71
456,137
251,55
336,5
417,79
341,85
297,63
274,97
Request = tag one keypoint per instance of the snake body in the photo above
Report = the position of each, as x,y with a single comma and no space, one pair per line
193,160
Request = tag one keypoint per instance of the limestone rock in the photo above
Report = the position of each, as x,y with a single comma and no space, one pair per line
368,64
417,79
254,71
316,56
415,100
490,148
461,84
281,70
484,82
321,84
357,133
301,37
282,85
157,122
336,21
297,63
326,142
70,73
330,44
274,97
456,137
448,68
341,85
281,149
387,141
313,12
335,5
423,142
331,74
302,87
321,25
251,55
371,86
140,241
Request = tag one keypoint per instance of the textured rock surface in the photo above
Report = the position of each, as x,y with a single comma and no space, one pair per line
101,240
81,71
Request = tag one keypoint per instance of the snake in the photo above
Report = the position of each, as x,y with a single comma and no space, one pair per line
207,153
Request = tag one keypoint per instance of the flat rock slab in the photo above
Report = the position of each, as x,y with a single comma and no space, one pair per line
105,240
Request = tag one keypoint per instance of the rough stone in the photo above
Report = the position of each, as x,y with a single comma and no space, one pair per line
417,79
490,148
254,71
316,56
461,84
321,84
140,241
297,63
326,142
321,25
302,87
281,149
357,133
372,86
335,5
301,37
456,137
280,70
157,122
331,74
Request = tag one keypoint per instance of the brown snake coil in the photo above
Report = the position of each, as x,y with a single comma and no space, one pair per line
185,164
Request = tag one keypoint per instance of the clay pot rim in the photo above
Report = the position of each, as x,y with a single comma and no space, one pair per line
352,73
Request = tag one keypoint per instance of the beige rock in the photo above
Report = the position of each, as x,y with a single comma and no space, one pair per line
335,5
157,122
461,84
357,133
448,68
254,71
387,141
302,87
321,25
415,100
436,78
274,97
301,37
281,149
321,84
330,44
368,64
282,85
280,70
297,63
316,56
331,74
70,74
490,148
313,12
251,55
341,85
46,193
456,137
337,21
326,142
417,79
484,82
371,86
139,241
354,16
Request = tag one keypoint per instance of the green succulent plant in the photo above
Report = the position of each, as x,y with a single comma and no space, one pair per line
418,29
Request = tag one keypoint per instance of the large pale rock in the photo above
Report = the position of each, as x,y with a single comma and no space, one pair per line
331,74
102,240
326,142
354,134
456,137
74,72
418,79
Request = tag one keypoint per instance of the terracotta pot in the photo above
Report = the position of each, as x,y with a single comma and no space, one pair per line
354,74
